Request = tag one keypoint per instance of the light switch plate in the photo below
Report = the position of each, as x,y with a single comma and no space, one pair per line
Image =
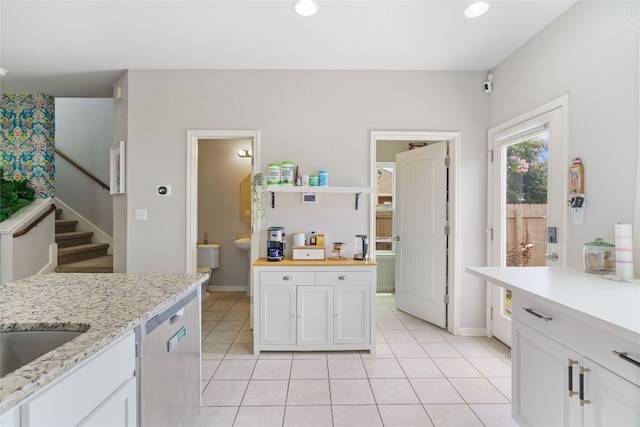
141,214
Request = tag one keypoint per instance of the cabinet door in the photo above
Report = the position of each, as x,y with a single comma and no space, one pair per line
118,410
542,379
278,314
315,305
613,401
352,318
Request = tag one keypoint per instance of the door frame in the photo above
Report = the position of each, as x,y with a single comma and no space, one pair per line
561,102
455,269
193,137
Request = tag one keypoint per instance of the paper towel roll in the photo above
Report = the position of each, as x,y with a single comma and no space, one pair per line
624,250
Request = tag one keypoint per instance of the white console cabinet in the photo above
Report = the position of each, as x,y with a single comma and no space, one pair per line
99,392
321,307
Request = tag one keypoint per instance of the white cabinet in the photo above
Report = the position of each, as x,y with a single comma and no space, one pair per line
100,391
567,373
307,308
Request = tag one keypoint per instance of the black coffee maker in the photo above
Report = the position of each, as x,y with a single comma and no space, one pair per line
275,243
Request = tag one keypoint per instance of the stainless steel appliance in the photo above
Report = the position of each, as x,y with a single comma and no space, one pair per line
168,365
361,251
275,243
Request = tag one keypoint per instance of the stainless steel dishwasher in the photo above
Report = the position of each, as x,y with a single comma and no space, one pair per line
169,365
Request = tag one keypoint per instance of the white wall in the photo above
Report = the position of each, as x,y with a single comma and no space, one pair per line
318,119
84,132
120,201
591,53
220,172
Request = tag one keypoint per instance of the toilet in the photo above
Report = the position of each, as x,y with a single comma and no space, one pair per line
208,260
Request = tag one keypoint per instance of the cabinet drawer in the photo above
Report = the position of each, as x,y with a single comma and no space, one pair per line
304,252
589,340
343,278
287,278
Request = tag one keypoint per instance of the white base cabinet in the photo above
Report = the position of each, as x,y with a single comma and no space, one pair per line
101,391
568,373
306,308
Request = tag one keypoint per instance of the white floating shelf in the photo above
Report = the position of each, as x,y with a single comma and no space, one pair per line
309,189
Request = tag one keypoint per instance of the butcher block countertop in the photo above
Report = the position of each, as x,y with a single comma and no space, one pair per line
287,262
108,304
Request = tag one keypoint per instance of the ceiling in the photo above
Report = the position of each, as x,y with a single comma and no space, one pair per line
79,48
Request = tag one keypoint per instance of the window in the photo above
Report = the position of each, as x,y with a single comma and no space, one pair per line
385,206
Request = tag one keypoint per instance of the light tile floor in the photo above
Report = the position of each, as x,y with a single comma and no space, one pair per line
420,376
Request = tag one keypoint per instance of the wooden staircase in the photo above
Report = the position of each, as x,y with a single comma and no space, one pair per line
76,251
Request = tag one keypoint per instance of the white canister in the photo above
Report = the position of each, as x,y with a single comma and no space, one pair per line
273,174
286,173
305,179
298,239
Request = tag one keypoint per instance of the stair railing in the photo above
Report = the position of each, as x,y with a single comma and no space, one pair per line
83,170
37,221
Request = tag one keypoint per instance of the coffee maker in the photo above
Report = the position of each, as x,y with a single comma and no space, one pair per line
275,243
361,247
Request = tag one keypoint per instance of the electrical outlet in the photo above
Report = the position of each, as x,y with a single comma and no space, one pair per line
141,214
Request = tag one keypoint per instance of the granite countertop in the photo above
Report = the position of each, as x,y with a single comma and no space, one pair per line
109,304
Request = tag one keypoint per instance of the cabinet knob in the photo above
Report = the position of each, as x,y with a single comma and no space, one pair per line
342,278
287,278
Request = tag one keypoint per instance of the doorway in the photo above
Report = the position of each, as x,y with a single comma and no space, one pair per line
526,205
398,141
194,137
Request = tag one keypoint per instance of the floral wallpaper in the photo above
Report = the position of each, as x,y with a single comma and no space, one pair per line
28,140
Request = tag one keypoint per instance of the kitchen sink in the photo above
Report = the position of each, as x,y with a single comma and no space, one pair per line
18,348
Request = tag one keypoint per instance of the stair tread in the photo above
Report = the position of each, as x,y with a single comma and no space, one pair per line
66,221
81,248
73,234
102,264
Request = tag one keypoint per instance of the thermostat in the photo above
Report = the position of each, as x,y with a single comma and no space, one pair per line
163,190
308,197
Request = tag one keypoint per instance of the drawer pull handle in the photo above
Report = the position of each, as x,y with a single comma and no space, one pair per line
342,278
287,278
625,356
538,315
581,397
571,363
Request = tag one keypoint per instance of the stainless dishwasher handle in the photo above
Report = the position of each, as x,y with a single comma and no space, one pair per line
176,316
538,315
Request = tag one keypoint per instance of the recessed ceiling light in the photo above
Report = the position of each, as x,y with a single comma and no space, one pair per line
476,9
306,7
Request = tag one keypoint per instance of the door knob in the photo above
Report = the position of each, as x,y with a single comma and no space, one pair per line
396,238
551,257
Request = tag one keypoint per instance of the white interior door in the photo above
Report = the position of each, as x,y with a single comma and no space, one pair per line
421,242
527,196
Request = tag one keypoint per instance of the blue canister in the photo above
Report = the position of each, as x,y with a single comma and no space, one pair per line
323,178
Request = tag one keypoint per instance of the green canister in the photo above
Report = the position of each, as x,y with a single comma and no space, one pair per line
286,173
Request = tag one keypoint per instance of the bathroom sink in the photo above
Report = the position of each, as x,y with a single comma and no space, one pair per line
18,348
243,243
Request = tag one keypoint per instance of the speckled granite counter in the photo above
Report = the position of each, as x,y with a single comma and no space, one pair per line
108,304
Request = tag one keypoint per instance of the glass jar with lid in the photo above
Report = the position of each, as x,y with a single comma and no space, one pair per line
599,257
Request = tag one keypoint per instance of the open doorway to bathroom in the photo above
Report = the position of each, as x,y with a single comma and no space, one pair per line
218,176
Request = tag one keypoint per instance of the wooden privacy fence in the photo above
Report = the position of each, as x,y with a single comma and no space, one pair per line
526,225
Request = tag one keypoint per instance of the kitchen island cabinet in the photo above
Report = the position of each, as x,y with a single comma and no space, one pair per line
314,305
575,346
90,379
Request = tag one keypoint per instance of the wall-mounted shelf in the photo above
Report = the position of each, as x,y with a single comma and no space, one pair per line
273,189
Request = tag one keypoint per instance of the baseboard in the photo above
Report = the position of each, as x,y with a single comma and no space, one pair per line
53,260
385,289
473,332
232,288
